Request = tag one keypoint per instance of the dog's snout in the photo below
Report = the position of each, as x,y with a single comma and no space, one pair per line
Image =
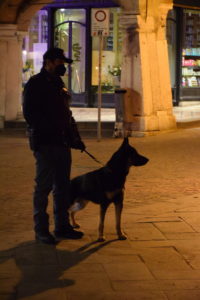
145,159
141,161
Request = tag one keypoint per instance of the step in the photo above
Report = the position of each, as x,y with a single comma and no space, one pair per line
86,129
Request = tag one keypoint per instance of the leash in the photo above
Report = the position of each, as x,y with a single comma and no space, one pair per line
94,158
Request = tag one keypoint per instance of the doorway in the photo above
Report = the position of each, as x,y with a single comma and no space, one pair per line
70,35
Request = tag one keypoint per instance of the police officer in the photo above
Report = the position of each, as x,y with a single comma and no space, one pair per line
52,133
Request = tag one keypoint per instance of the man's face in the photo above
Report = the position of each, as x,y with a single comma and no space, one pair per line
52,65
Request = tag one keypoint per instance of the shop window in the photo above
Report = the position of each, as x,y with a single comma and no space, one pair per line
191,49
66,14
70,35
111,56
172,44
34,45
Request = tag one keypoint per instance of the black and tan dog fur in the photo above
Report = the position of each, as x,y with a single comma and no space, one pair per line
105,186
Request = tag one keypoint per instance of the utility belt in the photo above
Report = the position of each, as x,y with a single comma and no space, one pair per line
36,139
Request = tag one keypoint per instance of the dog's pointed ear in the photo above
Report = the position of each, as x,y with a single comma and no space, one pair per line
125,141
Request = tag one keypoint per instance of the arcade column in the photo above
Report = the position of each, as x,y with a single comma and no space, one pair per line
10,72
145,70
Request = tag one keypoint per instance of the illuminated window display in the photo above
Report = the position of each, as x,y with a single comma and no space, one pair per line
183,36
34,45
190,56
191,49
111,55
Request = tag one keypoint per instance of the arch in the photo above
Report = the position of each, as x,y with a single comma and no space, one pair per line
8,11
22,11
27,11
129,5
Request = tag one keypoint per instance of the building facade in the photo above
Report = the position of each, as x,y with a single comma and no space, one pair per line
183,35
68,26
135,55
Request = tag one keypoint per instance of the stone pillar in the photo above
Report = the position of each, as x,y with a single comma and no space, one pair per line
20,35
10,72
145,72
3,49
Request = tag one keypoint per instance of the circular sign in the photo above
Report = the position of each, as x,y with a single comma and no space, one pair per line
100,15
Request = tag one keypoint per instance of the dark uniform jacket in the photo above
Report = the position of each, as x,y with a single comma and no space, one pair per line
46,111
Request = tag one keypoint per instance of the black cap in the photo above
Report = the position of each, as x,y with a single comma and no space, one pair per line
53,53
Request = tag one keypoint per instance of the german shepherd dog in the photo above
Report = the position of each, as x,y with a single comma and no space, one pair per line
105,186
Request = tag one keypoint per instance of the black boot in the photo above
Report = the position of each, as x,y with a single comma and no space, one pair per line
68,233
45,237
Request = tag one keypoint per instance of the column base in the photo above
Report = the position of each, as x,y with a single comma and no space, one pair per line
2,120
150,125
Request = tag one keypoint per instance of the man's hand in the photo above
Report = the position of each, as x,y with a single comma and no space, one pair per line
78,144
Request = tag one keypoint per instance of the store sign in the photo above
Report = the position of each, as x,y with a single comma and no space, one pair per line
100,22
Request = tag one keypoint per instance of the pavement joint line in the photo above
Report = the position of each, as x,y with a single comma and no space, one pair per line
148,268
159,230
189,224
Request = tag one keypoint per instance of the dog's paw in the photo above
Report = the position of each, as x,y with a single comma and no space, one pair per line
76,225
101,239
122,237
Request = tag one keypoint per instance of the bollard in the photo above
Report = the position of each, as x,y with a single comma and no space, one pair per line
119,112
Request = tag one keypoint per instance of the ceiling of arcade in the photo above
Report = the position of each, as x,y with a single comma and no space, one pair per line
20,11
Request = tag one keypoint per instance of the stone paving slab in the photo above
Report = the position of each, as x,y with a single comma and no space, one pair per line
165,259
177,274
183,295
193,218
135,285
134,295
179,284
87,282
182,236
31,292
175,227
128,271
143,231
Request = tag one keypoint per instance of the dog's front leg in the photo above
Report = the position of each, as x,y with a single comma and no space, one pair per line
78,205
103,208
118,212
74,223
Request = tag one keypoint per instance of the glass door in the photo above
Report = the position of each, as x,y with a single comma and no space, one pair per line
191,56
70,35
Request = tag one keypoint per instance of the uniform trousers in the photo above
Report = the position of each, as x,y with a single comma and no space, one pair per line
53,167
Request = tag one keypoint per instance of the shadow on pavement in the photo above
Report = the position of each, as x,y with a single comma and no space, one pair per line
42,266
